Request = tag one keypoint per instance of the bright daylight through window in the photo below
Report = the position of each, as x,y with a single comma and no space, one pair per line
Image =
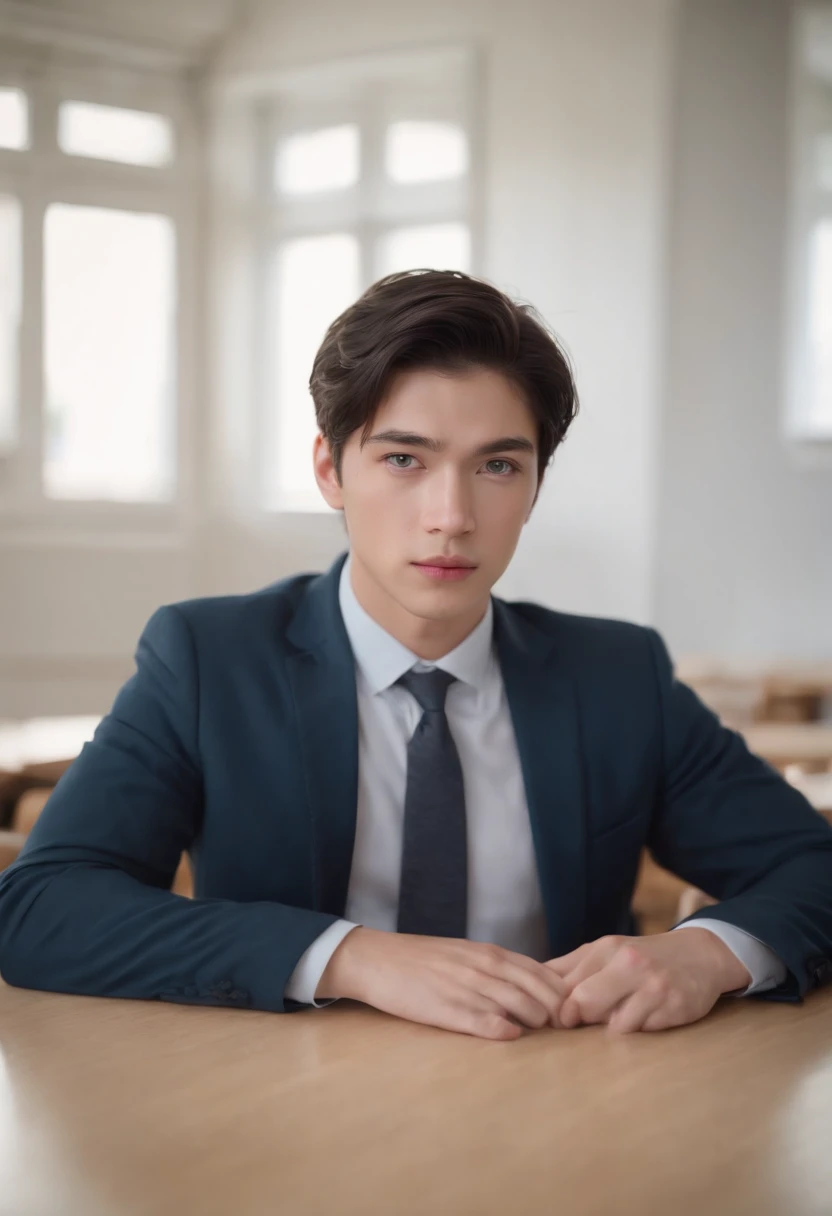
109,362
110,133
14,119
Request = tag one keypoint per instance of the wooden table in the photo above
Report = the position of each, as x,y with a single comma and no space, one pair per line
121,1108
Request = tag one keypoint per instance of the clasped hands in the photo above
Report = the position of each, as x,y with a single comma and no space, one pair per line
628,983
646,983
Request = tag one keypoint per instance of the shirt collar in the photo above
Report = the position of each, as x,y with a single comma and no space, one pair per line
382,659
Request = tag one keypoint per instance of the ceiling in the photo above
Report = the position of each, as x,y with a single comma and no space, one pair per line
169,33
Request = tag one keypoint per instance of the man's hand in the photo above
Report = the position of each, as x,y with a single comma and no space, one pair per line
472,987
647,983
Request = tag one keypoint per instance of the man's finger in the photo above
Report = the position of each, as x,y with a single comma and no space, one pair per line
543,972
563,965
482,1017
661,1019
570,1014
588,966
633,1013
543,986
598,995
515,1001
590,962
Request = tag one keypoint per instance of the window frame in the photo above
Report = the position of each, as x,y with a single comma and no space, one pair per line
40,176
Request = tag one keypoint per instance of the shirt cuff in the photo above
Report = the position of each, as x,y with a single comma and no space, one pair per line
765,968
311,965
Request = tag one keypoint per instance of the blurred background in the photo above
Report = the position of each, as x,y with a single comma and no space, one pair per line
190,192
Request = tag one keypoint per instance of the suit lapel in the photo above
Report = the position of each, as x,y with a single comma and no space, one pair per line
544,713
322,677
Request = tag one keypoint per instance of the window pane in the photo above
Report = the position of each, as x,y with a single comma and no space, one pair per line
319,160
433,246
425,151
9,318
108,133
14,119
820,325
109,281
313,280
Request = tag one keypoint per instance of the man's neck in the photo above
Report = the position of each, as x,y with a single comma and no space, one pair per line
428,639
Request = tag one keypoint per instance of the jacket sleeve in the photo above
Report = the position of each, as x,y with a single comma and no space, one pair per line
87,907
731,825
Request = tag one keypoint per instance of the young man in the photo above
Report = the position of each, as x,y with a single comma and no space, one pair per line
398,788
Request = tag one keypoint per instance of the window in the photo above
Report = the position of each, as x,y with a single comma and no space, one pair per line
89,410
368,172
320,160
14,119
9,319
107,133
809,397
108,343
425,151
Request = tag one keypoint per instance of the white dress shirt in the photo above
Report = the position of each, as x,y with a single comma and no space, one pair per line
504,899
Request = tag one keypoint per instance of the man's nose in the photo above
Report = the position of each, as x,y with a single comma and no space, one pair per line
448,504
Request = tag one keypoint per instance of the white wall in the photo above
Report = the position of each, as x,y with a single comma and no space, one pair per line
744,561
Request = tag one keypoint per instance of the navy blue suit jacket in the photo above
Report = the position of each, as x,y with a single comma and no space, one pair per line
237,740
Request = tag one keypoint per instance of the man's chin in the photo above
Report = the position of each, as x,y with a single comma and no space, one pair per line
439,601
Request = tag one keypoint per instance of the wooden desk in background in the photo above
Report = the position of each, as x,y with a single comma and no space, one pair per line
110,1108
783,743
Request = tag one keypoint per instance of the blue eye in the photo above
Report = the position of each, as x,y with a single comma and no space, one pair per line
399,456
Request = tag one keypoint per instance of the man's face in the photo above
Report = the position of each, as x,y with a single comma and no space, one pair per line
467,495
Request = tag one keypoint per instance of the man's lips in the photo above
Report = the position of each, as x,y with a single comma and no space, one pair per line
446,572
448,563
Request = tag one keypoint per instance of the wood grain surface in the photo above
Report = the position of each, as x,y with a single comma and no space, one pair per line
122,1108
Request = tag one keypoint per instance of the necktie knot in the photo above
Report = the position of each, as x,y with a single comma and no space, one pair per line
428,687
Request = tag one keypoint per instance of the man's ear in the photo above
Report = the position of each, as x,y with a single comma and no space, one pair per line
325,474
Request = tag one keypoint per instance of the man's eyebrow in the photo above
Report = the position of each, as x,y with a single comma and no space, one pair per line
509,443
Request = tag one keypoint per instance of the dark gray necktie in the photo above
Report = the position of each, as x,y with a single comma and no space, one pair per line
433,896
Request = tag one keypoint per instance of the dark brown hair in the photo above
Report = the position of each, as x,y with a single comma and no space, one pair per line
443,320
